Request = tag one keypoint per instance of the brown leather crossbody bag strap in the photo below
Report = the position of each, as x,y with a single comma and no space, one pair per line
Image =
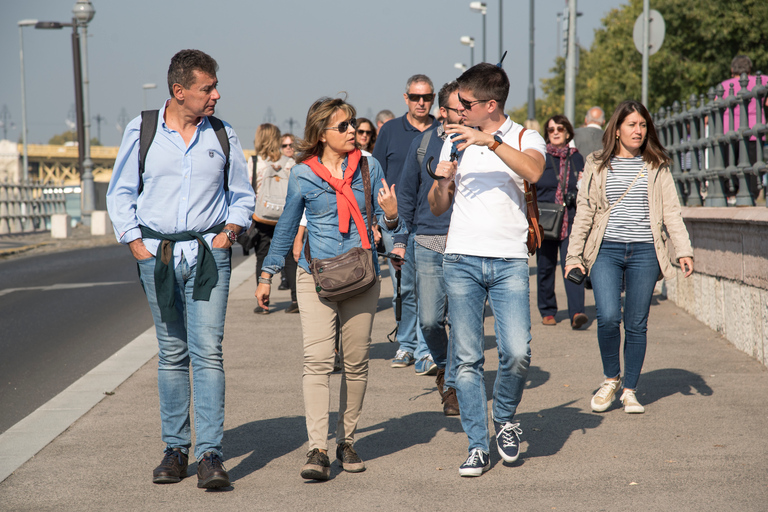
531,210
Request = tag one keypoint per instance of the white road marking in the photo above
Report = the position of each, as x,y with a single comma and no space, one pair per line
62,286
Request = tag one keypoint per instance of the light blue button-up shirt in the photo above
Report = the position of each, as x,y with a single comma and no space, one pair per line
183,186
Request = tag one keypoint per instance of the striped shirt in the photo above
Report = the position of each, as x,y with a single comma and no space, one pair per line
630,219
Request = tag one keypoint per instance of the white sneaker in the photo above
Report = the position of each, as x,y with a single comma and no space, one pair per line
605,395
631,405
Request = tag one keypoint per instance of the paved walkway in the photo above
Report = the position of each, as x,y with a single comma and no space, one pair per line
701,445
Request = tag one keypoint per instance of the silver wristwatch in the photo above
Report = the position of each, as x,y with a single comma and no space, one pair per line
231,235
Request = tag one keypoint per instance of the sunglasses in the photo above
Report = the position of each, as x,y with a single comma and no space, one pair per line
286,146
453,110
428,98
344,125
558,129
364,132
469,104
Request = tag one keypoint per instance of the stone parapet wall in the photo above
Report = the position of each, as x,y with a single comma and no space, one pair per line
729,290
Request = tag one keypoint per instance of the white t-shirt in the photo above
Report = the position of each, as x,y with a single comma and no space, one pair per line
489,216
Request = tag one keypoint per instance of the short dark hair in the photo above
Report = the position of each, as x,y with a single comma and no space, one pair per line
487,82
741,64
559,119
183,65
445,93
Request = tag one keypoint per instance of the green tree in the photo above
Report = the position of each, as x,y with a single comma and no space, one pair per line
702,36
69,136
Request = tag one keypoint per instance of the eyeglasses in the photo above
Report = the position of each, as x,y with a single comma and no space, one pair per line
286,145
428,98
453,109
469,104
558,129
343,126
364,132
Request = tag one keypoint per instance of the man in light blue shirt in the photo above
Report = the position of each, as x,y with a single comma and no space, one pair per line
180,217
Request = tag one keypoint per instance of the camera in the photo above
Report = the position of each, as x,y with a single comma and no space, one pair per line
570,199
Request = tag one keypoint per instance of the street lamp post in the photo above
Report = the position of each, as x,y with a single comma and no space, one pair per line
145,87
469,41
482,8
83,12
25,157
460,66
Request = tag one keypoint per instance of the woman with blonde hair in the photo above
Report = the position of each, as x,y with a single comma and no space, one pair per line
271,162
627,209
328,184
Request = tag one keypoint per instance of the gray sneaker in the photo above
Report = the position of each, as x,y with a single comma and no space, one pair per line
318,466
348,458
402,359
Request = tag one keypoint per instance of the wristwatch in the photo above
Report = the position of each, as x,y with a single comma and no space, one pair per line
231,235
496,143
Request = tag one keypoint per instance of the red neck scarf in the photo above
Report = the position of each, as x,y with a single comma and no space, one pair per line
345,197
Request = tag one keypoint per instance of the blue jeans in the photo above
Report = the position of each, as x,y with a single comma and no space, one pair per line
433,307
408,333
636,267
470,280
194,338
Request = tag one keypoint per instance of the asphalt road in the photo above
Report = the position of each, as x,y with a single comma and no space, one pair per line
60,316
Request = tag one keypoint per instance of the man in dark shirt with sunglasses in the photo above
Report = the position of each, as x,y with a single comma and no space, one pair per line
391,148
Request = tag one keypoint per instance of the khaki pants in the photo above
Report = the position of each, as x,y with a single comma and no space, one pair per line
318,324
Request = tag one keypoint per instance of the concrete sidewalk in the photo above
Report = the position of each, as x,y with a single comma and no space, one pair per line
701,445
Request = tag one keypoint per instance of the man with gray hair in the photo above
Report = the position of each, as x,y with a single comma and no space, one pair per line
391,148
589,137
382,117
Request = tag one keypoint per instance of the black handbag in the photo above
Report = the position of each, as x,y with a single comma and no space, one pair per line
349,274
551,214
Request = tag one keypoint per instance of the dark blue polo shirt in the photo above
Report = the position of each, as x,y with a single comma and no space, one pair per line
392,144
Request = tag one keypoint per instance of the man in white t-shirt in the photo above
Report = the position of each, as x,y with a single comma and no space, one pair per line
486,257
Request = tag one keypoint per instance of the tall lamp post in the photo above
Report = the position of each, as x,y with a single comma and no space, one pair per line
25,157
482,8
469,41
145,87
83,12
460,66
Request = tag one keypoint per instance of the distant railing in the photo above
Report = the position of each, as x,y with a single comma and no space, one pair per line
28,208
700,150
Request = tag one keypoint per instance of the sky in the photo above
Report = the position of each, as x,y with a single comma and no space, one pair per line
275,58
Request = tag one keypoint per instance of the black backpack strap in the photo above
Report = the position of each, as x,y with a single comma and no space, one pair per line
422,150
221,134
146,136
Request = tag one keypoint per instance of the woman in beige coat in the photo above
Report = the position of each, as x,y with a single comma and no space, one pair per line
627,209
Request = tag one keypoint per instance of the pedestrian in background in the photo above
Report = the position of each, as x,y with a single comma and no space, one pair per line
327,184
558,185
627,209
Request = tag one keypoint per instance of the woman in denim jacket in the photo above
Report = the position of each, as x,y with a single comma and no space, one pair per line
320,185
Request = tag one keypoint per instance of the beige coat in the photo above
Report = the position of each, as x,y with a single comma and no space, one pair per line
592,214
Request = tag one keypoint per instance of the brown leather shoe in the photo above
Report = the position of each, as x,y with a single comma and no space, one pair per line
579,319
173,467
211,473
450,403
548,320
440,381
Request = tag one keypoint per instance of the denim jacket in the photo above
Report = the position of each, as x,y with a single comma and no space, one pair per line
307,191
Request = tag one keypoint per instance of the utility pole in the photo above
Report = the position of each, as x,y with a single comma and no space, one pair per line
291,122
122,121
531,87
5,116
99,119
501,28
646,50
570,64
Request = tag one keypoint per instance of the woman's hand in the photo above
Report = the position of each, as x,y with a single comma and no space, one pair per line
568,269
686,264
376,234
262,294
387,200
298,243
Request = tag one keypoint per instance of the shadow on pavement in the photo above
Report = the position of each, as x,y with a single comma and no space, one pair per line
658,384
548,430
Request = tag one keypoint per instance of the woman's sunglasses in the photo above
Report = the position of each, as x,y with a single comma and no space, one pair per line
558,129
344,125
364,132
286,145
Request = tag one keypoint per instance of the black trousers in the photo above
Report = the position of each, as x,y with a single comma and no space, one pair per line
546,261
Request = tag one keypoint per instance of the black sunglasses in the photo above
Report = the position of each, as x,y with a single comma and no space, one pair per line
364,132
344,125
469,104
286,145
428,98
453,109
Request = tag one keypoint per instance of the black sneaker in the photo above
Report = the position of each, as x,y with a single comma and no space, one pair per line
508,440
348,458
476,464
211,473
172,468
318,466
